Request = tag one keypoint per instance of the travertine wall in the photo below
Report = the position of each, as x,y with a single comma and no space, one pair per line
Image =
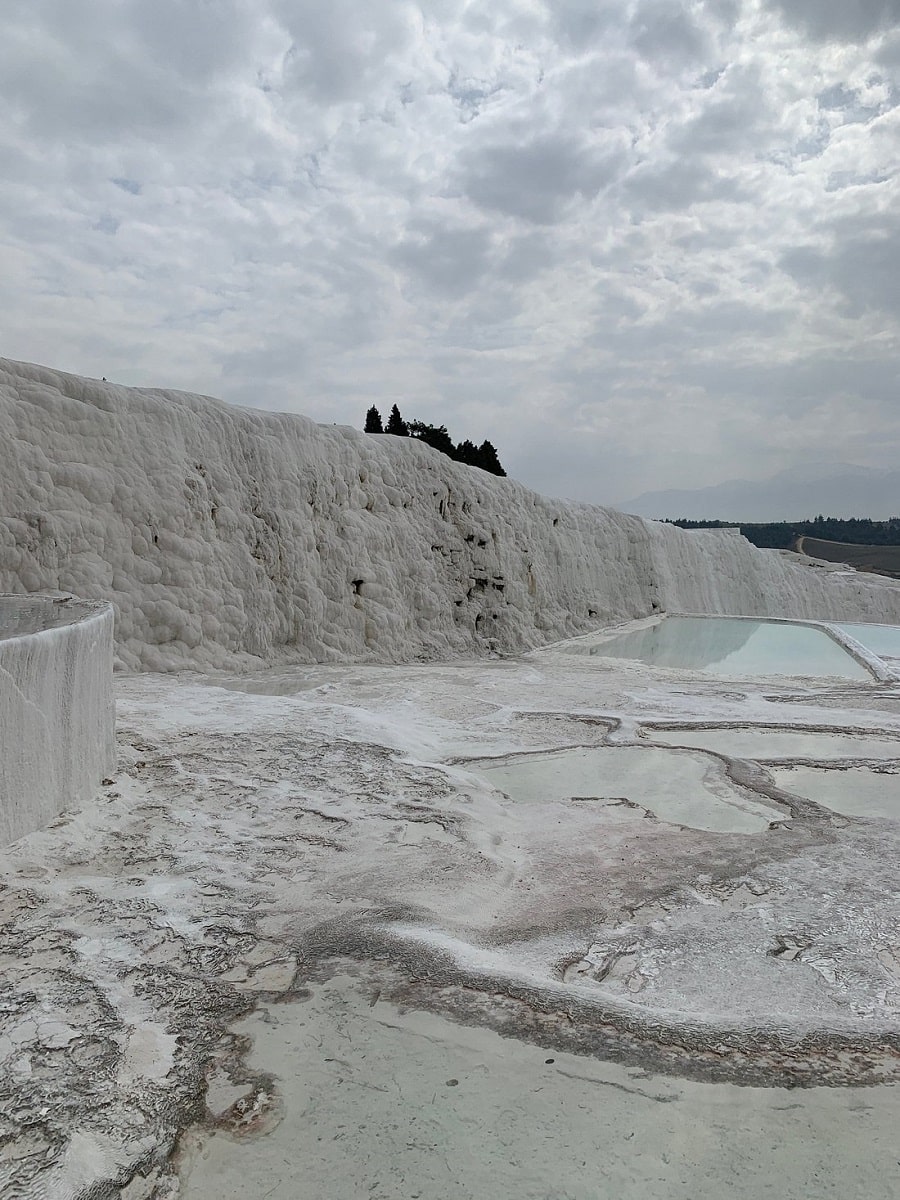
221,533
57,719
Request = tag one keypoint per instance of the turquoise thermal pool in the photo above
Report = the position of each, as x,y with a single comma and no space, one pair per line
731,647
880,639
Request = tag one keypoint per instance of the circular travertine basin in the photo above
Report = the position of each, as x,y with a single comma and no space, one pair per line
56,707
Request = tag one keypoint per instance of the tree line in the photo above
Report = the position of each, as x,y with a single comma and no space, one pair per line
483,456
781,535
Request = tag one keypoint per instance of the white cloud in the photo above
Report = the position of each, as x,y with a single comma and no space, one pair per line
636,244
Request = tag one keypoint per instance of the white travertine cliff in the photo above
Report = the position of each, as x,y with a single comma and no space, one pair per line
219,532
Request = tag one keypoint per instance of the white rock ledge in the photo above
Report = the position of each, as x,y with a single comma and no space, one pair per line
57,715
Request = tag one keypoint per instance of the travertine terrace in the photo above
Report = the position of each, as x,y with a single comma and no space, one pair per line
337,664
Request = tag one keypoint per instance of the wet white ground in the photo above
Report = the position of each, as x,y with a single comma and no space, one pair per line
264,836
371,1101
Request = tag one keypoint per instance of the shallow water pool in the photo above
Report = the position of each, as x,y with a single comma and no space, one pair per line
683,788
365,1100
880,639
731,647
763,743
854,792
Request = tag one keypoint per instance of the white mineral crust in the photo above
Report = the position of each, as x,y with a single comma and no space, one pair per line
221,532
591,854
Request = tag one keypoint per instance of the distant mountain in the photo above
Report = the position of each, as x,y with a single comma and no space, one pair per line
833,489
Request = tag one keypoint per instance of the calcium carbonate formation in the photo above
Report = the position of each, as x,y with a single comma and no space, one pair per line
220,533
57,721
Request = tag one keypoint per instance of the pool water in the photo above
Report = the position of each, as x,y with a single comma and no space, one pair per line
367,1100
731,647
683,788
880,639
855,792
768,743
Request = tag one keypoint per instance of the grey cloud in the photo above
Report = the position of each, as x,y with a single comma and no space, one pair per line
856,391
252,373
107,224
871,377
572,464
839,20
449,261
864,269
195,41
338,47
722,12
815,143
470,95
678,185
847,102
525,257
580,23
538,180
840,180
724,126
664,31
709,79
838,98
711,328
736,115
111,69
888,53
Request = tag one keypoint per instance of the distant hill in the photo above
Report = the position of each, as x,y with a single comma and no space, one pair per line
833,489
883,560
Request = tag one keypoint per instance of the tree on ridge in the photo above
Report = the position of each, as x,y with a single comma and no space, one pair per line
484,456
433,435
488,459
396,424
373,421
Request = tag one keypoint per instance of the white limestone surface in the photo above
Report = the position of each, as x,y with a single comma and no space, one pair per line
57,719
251,846
222,533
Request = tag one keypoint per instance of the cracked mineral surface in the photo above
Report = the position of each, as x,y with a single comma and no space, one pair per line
274,956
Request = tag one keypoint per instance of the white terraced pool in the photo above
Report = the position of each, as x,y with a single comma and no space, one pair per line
883,640
733,647
683,788
854,792
779,743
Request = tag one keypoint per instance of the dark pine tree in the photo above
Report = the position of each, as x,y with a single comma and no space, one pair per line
434,435
488,460
373,421
467,452
396,424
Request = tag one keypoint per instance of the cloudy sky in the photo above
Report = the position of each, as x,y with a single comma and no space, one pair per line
636,243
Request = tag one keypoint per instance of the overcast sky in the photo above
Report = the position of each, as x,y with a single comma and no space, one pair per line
636,243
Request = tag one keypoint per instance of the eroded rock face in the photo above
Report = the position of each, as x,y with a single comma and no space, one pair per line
219,533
